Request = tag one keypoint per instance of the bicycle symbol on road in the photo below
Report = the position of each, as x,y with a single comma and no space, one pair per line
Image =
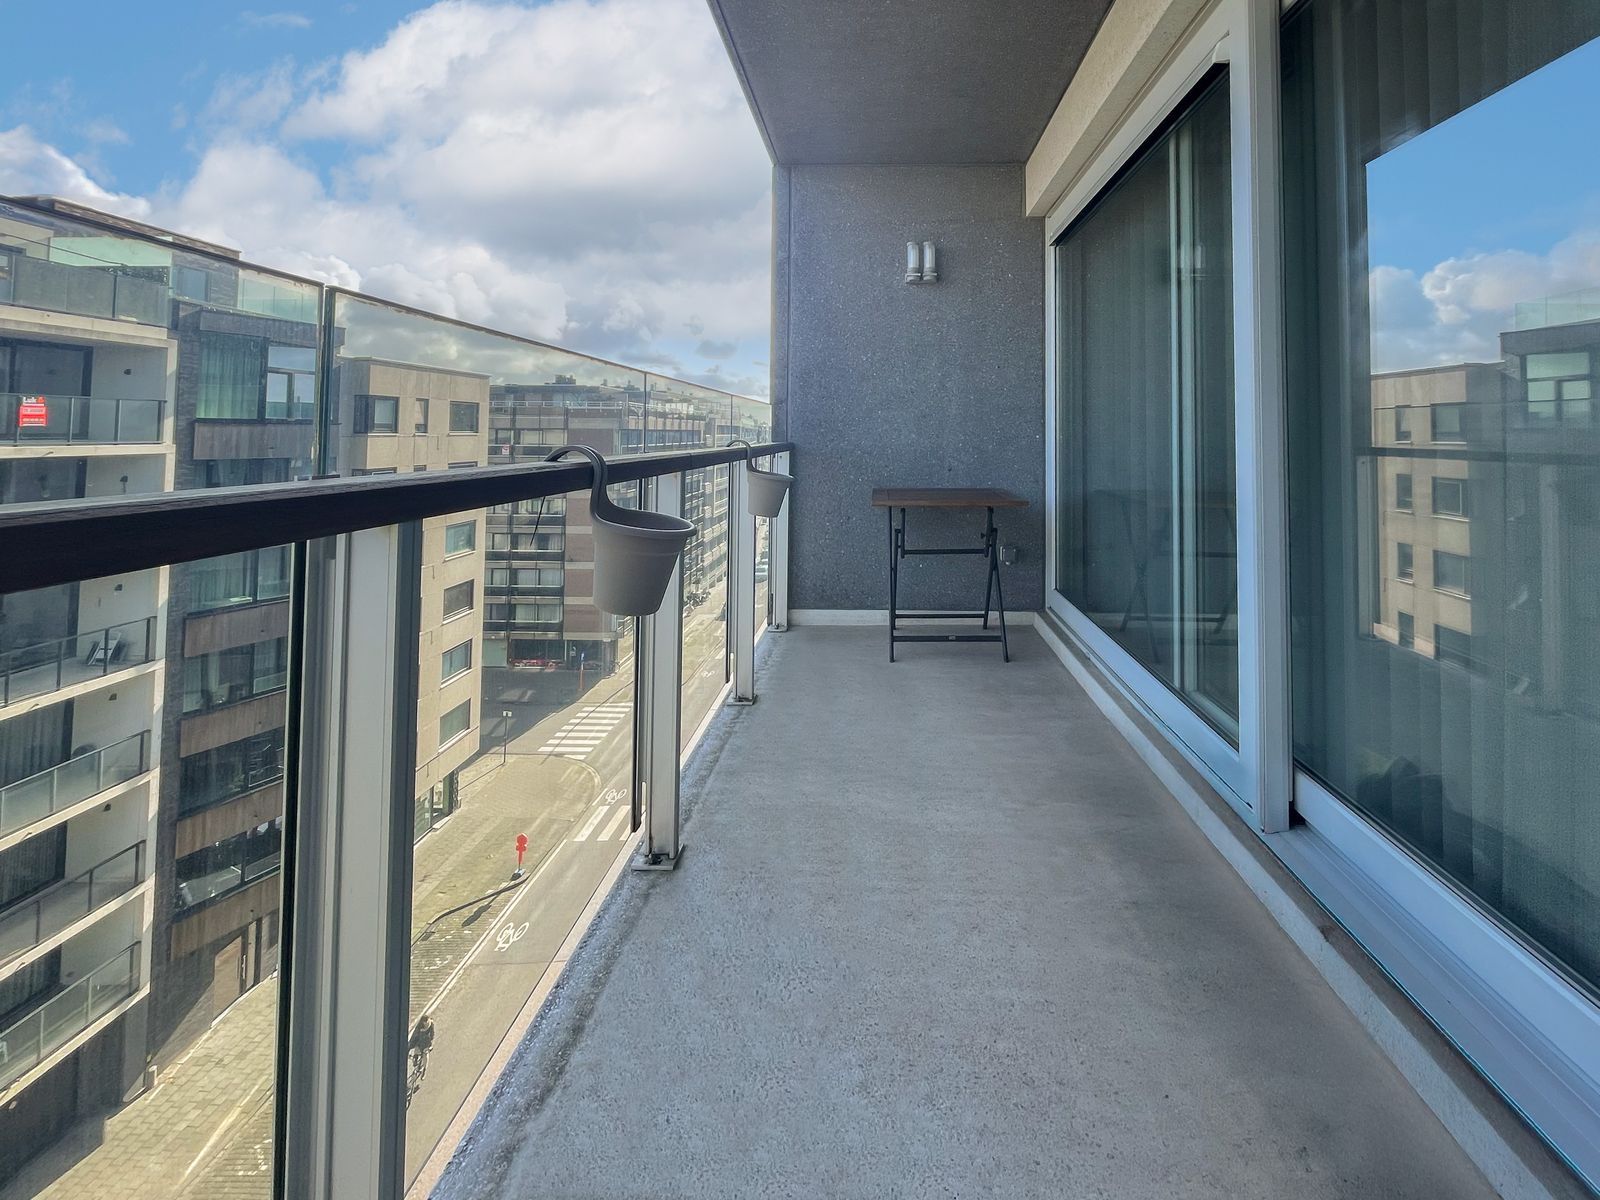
509,935
612,795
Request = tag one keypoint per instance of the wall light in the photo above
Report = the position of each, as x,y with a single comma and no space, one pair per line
921,263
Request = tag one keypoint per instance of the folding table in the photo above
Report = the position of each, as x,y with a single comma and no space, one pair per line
987,499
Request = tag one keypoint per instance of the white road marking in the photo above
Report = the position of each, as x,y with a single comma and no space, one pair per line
586,729
588,826
618,822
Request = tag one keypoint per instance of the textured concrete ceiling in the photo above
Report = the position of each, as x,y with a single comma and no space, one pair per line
905,81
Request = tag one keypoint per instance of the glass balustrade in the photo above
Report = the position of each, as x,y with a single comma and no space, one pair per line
60,787
28,418
32,1039
43,667
31,922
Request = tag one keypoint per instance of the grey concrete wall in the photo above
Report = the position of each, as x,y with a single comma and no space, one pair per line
880,383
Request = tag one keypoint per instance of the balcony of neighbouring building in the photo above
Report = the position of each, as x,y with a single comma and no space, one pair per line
43,668
86,989
37,919
56,791
34,420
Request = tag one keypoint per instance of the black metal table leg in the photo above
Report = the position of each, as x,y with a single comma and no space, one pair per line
999,596
988,583
894,574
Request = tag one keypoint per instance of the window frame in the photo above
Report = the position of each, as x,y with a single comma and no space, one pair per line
458,408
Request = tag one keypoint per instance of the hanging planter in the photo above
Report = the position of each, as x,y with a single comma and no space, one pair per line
765,489
635,550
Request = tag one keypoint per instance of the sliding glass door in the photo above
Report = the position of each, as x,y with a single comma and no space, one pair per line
1146,520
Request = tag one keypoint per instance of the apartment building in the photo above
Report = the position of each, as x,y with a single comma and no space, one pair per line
141,734
396,417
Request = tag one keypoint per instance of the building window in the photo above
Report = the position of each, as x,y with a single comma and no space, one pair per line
457,599
1404,567
291,383
226,677
248,577
1559,387
226,772
422,414
1452,646
1402,424
461,538
377,414
1448,422
190,283
1402,491
455,661
232,379
542,614
461,466
1450,573
1449,497
463,416
1407,625
455,722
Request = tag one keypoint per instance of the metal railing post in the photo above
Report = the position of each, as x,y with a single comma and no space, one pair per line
778,552
342,1072
742,586
658,665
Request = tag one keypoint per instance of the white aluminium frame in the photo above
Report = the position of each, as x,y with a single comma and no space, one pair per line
1256,776
1531,1031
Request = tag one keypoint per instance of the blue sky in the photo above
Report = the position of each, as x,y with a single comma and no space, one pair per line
585,172
1498,205
152,79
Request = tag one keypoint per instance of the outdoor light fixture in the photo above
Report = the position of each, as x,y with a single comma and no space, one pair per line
921,263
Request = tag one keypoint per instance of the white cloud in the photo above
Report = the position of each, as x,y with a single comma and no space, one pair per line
29,166
582,171
274,20
1456,311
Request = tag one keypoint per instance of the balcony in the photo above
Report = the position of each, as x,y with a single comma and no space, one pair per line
46,667
30,1040
41,796
78,421
39,918
102,292
938,930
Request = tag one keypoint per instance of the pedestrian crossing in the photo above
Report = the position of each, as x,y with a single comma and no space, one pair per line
605,824
590,726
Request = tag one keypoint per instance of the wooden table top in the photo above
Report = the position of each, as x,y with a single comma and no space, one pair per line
946,498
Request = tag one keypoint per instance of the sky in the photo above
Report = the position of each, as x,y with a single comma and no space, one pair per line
585,172
1498,204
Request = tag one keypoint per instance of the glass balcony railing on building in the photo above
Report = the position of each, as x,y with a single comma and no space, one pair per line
44,667
39,418
81,777
31,1039
30,922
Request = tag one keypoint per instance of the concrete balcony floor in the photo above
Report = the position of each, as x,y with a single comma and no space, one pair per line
939,932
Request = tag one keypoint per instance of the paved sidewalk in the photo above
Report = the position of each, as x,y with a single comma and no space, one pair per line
164,1144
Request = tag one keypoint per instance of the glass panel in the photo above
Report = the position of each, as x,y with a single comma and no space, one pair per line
705,593
1147,526
219,368
1459,712
535,736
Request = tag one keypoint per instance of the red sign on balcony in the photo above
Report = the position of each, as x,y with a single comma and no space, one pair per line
32,413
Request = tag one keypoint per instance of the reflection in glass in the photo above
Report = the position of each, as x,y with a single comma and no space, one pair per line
1443,334
1147,525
